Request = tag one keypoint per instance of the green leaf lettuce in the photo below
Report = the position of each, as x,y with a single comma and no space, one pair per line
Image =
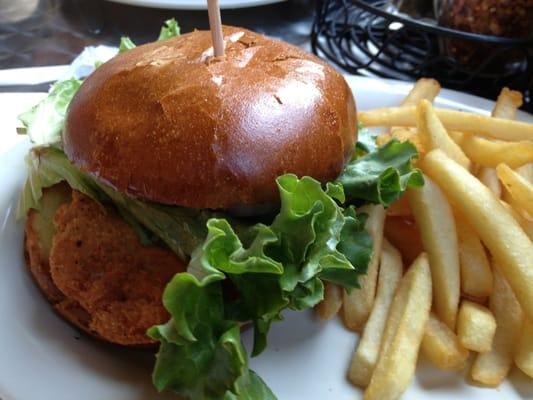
181,229
125,44
382,176
169,29
43,123
270,268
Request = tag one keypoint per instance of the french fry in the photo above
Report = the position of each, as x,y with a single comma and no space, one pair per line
403,233
402,135
526,171
403,333
515,206
524,351
434,218
332,303
492,367
490,179
497,128
476,275
490,153
518,187
476,327
457,136
424,88
506,106
383,139
358,303
509,101
411,135
434,136
523,221
366,354
441,346
498,230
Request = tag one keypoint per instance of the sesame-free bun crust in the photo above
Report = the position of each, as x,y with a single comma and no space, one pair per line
168,122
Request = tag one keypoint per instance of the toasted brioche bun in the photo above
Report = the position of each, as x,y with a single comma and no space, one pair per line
168,122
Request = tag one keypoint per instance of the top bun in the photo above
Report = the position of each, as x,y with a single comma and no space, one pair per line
170,123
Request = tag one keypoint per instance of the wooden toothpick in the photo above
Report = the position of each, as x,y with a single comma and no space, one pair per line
215,24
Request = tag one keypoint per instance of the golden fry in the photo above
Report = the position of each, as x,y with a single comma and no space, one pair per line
526,171
525,222
524,351
506,106
476,275
424,88
492,367
433,135
402,135
441,346
403,334
366,354
476,327
435,220
383,139
452,120
489,178
490,153
518,187
509,101
498,230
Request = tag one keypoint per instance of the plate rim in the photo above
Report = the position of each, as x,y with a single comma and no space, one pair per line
195,4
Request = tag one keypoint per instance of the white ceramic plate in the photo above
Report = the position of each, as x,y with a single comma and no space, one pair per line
43,358
195,4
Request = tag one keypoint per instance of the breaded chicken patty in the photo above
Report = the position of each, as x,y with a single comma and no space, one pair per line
99,275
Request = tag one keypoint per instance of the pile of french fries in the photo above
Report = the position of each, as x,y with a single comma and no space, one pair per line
467,238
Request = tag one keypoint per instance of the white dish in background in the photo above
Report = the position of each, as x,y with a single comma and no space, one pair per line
195,4
43,358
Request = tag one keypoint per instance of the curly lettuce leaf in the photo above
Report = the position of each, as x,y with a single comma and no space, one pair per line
366,141
48,166
169,29
250,386
382,176
201,355
43,123
271,267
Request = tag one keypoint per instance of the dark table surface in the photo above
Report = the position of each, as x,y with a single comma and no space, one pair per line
53,32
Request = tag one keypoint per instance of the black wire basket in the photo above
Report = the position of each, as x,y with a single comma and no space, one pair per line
363,38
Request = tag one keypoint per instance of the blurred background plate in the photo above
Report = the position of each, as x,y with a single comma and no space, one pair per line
195,4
